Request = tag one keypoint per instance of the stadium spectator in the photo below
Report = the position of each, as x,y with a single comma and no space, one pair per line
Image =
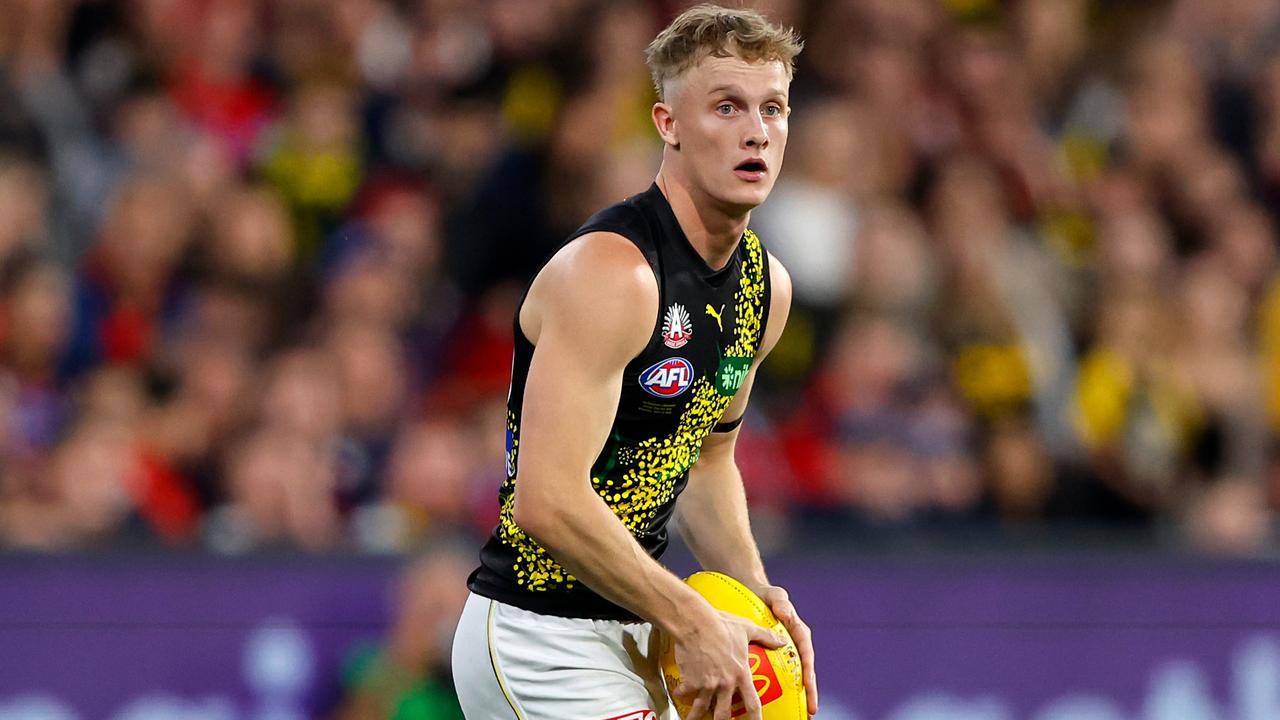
258,260
406,676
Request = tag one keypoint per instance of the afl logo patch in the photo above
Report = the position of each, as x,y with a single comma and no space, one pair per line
667,378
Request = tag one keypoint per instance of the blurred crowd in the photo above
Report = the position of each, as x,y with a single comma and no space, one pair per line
259,261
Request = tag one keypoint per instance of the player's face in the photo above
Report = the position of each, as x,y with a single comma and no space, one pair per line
731,124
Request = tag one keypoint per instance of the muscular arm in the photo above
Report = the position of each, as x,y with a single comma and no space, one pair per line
589,312
712,510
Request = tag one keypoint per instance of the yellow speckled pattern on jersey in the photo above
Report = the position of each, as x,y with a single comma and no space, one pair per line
637,480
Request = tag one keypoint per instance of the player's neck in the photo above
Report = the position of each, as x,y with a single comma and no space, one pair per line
711,230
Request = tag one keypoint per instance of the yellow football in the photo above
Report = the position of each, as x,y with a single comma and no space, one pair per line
777,673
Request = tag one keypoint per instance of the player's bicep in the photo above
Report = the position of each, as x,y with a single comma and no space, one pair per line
569,403
594,306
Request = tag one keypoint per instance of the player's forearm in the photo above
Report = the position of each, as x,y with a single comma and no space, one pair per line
589,541
715,524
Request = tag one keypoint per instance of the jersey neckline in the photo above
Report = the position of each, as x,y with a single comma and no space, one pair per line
671,225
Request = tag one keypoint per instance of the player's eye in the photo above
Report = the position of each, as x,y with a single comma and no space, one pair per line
772,110
724,108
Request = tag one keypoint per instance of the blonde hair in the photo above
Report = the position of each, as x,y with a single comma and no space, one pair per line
710,30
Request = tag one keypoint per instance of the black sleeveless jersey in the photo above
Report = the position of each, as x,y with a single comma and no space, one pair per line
708,328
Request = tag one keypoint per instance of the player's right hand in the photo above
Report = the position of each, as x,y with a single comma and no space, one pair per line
713,666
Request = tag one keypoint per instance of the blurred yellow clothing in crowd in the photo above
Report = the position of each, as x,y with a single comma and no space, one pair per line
531,102
1103,390
325,179
1269,331
314,182
994,378
1108,389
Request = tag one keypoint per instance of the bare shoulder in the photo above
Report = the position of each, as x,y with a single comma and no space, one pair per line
598,288
780,279
779,302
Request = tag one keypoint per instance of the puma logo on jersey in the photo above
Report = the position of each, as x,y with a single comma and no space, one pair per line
667,378
713,313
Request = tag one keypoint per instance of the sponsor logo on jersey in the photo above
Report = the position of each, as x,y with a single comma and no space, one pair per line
677,328
511,466
731,374
667,378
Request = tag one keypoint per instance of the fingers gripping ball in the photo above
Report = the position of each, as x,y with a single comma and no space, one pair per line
777,673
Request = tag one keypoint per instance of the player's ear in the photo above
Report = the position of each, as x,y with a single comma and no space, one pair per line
665,122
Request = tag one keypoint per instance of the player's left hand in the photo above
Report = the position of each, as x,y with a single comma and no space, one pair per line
780,603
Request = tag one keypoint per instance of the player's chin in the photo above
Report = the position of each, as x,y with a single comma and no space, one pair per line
748,196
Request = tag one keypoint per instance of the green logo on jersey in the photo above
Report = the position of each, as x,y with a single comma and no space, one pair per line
731,374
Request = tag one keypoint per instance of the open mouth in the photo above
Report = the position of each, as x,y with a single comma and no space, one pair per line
752,170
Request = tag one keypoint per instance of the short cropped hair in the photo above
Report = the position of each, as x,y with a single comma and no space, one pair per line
710,30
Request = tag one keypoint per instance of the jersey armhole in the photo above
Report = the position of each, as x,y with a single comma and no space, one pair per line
616,228
732,425
766,301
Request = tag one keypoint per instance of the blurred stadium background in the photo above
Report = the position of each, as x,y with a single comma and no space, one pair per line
1016,455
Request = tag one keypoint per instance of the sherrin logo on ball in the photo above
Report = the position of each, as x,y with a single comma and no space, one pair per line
667,378
777,673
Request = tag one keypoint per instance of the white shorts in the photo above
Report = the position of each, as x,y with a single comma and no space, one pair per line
512,664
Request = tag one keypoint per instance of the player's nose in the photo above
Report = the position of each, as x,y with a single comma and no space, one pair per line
757,133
